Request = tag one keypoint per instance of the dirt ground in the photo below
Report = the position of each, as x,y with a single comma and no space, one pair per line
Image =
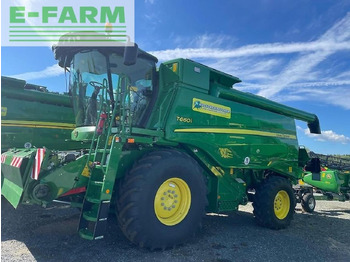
32,233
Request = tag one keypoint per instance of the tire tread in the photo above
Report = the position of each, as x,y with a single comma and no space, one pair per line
130,184
265,193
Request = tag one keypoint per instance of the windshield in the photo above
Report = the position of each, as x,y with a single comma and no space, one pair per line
93,75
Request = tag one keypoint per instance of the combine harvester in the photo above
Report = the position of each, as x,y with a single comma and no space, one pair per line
163,146
33,116
331,183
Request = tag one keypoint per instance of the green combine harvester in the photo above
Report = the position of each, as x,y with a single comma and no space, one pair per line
331,183
163,146
31,115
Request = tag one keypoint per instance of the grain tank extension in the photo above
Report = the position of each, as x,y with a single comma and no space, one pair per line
164,146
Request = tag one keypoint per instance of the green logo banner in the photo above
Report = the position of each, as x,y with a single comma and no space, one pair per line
77,23
210,108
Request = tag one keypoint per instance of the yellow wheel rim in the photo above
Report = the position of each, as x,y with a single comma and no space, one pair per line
172,201
281,204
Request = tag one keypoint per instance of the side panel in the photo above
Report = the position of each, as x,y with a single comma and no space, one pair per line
242,137
16,167
329,181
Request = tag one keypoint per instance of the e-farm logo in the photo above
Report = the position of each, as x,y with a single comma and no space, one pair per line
74,22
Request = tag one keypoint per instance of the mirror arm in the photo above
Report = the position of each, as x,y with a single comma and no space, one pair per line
110,86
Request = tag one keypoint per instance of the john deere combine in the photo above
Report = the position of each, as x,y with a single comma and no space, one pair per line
165,146
32,115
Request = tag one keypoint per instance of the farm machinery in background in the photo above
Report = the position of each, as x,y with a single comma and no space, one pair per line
331,183
161,147
32,115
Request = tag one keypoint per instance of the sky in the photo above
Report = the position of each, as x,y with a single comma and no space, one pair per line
293,52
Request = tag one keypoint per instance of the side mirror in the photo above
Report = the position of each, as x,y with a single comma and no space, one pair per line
130,55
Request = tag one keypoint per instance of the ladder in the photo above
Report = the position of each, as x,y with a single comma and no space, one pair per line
97,200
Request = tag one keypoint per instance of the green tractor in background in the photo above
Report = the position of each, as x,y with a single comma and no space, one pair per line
331,183
162,146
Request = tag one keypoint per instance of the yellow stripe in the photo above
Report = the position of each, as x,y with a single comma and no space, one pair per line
234,131
37,124
215,171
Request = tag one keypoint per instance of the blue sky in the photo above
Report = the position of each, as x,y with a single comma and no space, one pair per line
294,52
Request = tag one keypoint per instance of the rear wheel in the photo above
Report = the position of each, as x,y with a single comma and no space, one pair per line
308,203
162,200
274,203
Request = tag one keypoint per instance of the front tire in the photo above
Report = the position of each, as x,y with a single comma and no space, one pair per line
162,200
274,203
308,203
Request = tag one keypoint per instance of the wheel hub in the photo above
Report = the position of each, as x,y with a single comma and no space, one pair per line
169,200
281,204
312,203
172,201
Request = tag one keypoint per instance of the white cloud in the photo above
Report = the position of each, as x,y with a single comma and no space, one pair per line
205,41
50,71
247,68
337,95
300,67
250,50
294,72
323,83
329,136
344,75
274,78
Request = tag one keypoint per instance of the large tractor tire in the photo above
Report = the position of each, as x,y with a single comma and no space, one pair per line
308,203
274,203
162,200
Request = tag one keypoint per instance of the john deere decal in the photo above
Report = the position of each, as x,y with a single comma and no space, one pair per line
210,108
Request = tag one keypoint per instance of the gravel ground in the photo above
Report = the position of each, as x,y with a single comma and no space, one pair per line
32,233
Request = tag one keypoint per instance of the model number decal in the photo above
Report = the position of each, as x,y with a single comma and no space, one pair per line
184,119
